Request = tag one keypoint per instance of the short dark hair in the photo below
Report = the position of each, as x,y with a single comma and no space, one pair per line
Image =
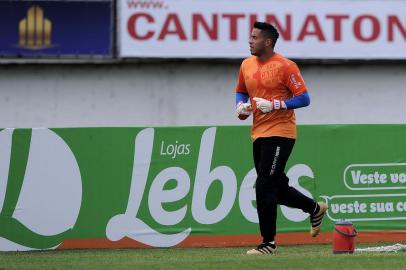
268,30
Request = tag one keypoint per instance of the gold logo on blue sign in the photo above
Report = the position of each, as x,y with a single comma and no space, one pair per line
35,31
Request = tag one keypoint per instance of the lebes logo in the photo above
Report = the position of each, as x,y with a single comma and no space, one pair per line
40,189
128,224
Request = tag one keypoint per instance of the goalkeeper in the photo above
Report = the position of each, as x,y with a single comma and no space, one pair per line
270,87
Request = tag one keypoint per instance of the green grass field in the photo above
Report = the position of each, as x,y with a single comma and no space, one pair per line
288,257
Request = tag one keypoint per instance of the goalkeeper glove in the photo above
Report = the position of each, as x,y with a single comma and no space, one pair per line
267,106
243,110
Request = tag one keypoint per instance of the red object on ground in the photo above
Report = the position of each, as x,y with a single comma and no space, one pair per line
344,237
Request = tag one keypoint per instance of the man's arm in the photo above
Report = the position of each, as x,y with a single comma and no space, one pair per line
297,86
243,107
299,101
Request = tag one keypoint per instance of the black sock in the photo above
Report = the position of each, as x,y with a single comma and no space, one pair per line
272,244
268,240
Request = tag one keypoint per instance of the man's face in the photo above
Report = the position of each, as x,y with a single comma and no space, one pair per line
258,43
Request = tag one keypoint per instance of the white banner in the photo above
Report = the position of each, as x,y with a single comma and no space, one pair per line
309,29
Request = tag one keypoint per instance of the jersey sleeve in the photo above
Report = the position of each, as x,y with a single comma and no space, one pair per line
241,87
294,80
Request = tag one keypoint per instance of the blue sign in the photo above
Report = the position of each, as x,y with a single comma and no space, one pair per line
56,28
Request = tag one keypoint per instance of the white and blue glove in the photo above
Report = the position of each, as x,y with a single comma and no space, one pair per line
267,106
244,110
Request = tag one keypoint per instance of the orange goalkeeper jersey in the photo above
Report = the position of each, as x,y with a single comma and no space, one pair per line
277,78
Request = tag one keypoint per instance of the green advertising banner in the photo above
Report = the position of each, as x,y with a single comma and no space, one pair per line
164,187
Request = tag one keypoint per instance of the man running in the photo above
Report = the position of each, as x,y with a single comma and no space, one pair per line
270,87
